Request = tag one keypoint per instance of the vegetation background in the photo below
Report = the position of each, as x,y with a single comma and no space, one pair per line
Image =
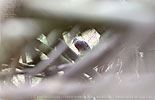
38,60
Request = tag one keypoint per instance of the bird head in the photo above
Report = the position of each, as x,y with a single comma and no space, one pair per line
75,39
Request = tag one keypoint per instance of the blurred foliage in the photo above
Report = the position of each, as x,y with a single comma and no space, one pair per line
38,57
37,80
42,38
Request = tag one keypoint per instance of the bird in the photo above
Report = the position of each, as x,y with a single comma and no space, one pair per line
81,45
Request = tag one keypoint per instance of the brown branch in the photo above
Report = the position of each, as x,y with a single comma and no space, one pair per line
52,39
70,53
23,72
53,55
42,89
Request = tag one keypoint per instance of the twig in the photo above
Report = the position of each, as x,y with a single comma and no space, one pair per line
53,55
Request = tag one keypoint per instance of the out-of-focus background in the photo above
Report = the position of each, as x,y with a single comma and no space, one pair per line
40,59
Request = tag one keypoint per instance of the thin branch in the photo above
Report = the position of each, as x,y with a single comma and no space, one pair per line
53,55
